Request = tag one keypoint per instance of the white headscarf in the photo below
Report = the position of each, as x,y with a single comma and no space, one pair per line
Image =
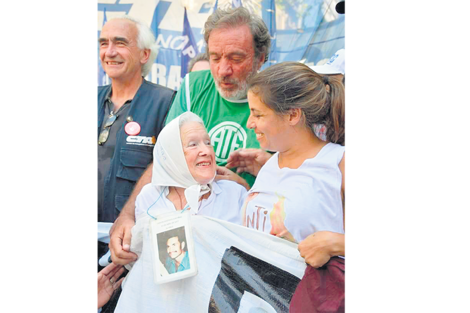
170,167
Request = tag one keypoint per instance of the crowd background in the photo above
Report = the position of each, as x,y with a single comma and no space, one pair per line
188,48
310,31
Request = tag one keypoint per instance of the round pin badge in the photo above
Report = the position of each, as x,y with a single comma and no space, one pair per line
132,128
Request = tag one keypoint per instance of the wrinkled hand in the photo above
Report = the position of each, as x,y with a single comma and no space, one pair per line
318,248
225,173
248,160
120,240
108,282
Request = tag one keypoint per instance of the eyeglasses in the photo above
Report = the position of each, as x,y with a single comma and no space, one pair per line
107,125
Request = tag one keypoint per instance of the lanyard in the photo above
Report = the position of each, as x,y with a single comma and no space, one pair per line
182,211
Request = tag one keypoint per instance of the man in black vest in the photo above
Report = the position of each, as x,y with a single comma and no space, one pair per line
131,113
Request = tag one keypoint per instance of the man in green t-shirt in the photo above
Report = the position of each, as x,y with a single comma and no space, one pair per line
237,45
225,119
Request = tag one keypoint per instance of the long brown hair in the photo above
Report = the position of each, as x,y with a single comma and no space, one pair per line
290,85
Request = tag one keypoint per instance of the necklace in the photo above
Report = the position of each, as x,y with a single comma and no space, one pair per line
181,201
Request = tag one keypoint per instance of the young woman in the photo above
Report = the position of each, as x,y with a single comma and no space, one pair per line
299,190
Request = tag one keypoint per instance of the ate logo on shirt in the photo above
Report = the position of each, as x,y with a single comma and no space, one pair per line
227,137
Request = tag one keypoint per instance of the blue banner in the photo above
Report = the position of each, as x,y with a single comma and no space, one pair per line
103,78
236,3
309,31
190,50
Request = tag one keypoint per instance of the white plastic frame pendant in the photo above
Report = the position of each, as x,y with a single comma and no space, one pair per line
173,247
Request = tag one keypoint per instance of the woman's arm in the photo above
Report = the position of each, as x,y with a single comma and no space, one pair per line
318,248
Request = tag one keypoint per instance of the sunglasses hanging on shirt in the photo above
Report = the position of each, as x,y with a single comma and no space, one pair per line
107,125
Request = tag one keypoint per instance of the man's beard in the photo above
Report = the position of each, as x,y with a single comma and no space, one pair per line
241,91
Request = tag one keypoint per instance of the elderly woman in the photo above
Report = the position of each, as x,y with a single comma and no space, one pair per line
184,169
183,175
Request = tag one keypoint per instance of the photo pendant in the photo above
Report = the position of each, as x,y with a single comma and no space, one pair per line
173,247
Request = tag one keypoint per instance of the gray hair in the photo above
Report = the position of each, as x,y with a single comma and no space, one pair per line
145,40
233,18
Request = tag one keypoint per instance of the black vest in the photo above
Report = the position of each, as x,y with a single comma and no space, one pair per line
132,154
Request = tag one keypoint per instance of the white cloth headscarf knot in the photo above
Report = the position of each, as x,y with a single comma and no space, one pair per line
170,167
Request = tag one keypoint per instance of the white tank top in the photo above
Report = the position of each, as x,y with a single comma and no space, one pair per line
294,203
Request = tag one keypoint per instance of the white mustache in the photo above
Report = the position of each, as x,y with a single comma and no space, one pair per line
228,80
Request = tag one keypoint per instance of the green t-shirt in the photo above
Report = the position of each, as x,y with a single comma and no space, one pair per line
225,120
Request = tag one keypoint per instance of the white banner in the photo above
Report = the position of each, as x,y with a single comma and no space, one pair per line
239,270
